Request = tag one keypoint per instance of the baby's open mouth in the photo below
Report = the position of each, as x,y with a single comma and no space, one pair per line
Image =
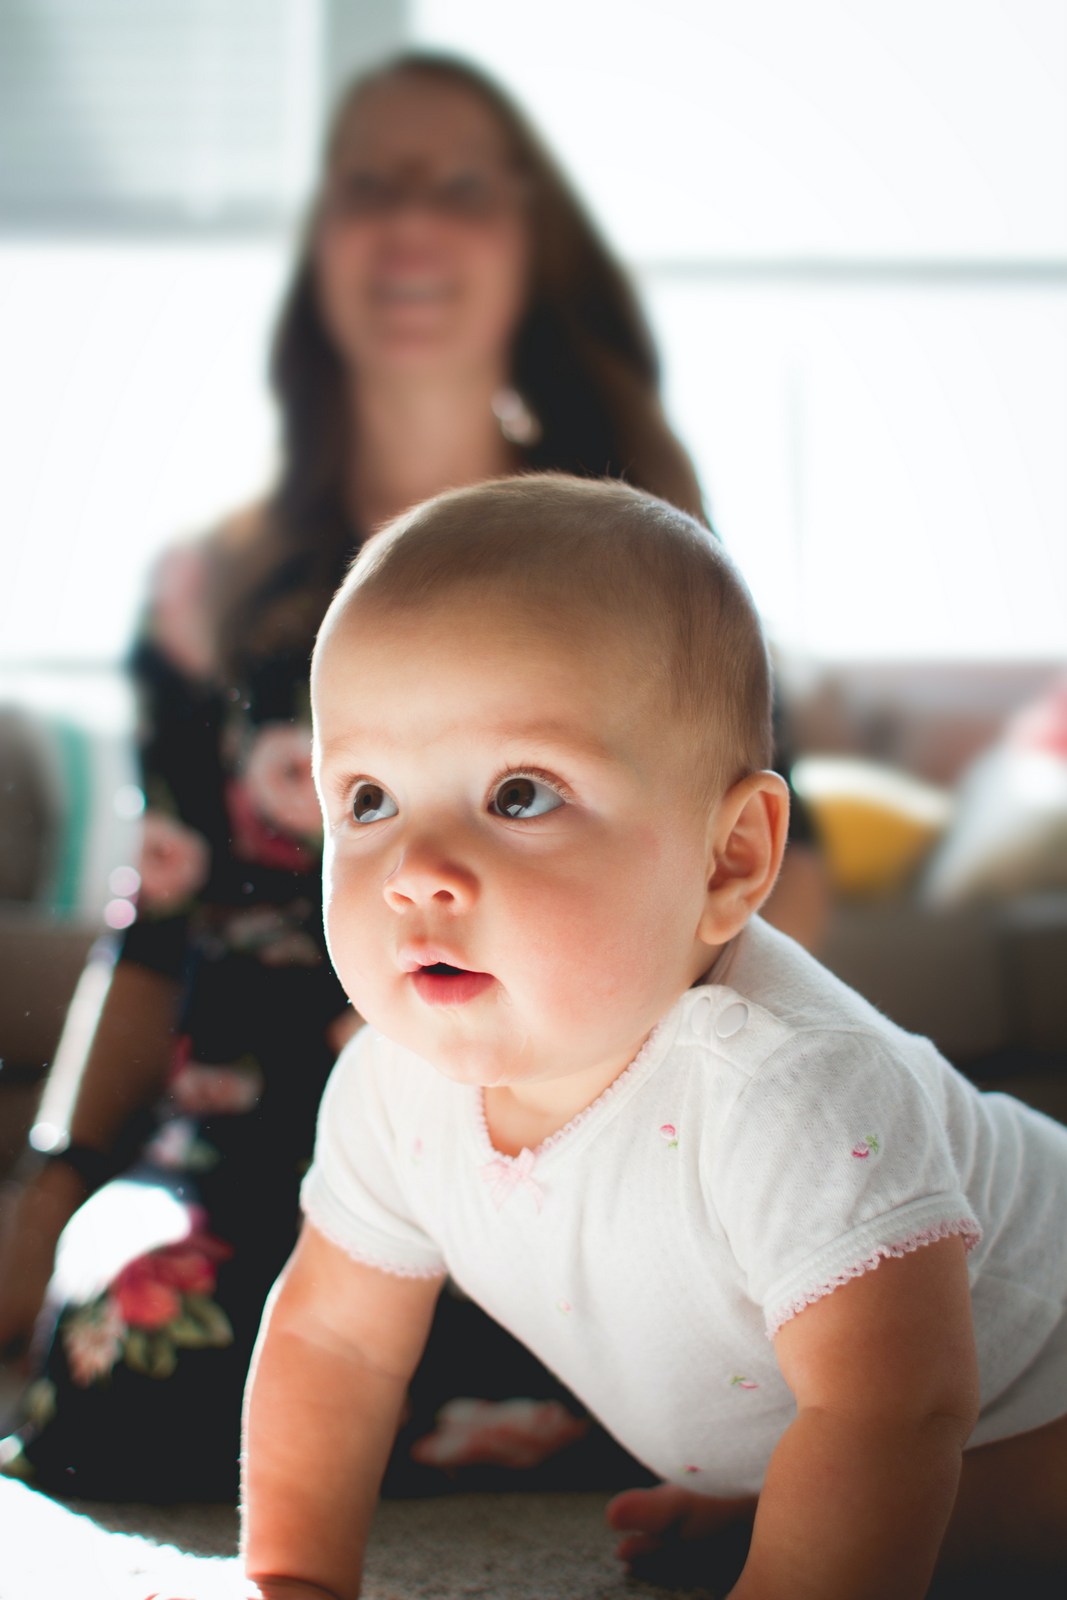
440,983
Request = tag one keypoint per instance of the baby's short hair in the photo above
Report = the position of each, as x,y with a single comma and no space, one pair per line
596,555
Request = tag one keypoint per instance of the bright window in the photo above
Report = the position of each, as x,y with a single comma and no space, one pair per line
849,221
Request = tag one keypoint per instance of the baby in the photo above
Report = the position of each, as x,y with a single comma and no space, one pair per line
790,1258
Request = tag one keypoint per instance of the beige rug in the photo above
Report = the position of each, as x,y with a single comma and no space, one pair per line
464,1547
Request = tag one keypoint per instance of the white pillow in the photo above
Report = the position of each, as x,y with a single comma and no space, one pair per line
1010,831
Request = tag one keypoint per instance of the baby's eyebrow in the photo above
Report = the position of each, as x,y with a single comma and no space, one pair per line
537,738
550,736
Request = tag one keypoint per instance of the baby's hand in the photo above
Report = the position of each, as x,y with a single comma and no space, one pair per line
681,1539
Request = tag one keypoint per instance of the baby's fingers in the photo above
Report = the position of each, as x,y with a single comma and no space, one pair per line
635,1545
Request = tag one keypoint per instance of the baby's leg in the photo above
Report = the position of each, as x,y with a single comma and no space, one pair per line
1010,1517
1011,1509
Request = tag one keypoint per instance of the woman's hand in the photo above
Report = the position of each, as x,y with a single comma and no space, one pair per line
31,1228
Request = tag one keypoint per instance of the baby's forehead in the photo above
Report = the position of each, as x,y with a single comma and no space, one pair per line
559,617
488,623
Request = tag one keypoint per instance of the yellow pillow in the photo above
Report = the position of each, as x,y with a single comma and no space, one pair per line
875,823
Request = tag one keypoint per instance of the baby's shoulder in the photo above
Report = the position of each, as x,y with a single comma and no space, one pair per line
771,1061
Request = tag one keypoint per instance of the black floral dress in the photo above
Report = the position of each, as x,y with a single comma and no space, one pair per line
164,1272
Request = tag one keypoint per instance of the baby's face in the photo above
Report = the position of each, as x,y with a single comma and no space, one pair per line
516,847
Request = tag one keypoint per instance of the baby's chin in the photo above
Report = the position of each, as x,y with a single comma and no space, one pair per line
476,1063
479,1067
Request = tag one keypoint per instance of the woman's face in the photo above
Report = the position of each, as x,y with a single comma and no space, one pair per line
422,247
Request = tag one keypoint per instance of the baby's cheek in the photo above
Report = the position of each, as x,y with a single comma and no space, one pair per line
341,921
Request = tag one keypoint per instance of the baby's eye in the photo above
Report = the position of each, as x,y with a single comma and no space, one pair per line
371,803
517,796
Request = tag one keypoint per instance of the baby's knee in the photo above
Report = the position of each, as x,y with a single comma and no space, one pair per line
1012,1502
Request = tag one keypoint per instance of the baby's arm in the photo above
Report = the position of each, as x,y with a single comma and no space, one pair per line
337,1348
861,1485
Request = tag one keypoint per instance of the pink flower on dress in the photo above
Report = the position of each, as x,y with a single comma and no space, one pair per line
92,1339
739,1381
174,862
143,1300
278,778
670,1133
191,1265
868,1146
148,1291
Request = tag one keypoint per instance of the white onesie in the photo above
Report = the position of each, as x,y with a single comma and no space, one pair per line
774,1137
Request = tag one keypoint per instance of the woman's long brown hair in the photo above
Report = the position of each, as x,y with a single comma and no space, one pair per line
583,359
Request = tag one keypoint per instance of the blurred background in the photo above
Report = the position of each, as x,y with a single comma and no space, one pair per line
848,220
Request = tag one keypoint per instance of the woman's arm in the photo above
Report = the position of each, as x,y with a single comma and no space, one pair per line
124,1070
336,1351
861,1486
128,1059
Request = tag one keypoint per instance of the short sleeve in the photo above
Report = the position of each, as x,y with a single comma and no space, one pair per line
351,1192
835,1156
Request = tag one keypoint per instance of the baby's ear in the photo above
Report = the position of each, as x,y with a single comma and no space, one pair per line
746,841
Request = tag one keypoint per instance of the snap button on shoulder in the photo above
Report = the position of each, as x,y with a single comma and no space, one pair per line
732,1020
702,1016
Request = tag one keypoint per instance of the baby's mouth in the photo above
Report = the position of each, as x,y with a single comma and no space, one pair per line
439,983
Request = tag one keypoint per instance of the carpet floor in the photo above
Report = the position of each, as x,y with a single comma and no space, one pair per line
462,1547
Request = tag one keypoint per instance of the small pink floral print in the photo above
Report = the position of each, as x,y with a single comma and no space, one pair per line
174,862
92,1339
739,1381
689,1467
868,1146
564,1306
418,1150
669,1133
278,776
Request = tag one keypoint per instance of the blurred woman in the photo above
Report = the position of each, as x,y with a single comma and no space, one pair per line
453,316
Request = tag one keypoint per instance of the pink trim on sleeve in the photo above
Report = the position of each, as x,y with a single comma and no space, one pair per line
965,1227
394,1269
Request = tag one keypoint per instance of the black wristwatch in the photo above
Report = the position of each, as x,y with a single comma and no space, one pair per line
93,1167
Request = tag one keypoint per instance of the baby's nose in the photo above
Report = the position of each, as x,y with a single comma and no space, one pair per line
427,876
